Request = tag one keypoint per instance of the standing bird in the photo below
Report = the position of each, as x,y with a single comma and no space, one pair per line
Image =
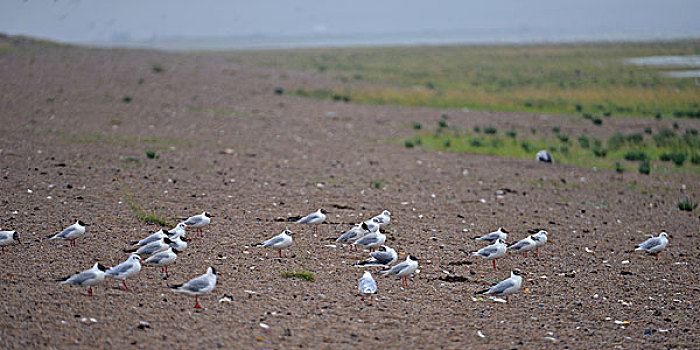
315,218
72,232
654,244
540,240
152,248
88,277
178,242
501,234
198,286
384,257
278,242
384,218
199,221
163,259
8,238
524,245
181,227
351,235
366,285
371,241
506,287
152,238
130,268
492,252
403,269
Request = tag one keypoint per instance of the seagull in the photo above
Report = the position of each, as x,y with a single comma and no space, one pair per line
501,233
384,218
353,234
181,227
524,245
543,156
8,238
278,242
199,221
89,277
72,232
371,225
384,257
403,269
163,259
198,286
506,287
541,239
371,241
367,285
130,268
492,252
152,248
152,238
654,244
178,242
314,218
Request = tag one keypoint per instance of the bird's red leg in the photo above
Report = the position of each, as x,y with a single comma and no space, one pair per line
525,254
537,252
656,255
125,287
196,302
166,271
507,300
494,265
280,253
3,249
363,297
90,291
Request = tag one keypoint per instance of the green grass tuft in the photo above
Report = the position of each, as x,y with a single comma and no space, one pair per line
302,275
687,205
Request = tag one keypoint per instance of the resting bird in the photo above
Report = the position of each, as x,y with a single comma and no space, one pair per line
525,245
88,277
314,218
384,257
492,252
654,244
71,232
198,286
384,218
130,268
278,242
367,286
540,240
403,269
152,238
371,241
506,287
8,238
501,234
163,259
198,221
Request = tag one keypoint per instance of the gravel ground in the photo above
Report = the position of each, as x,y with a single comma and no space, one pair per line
226,143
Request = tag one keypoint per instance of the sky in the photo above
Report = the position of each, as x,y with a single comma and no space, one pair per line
82,21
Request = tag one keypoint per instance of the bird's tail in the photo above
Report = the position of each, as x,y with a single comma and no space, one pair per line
52,236
130,250
474,253
482,291
367,263
384,272
367,290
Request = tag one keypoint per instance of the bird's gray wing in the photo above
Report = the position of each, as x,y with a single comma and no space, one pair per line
273,241
155,259
193,220
308,218
120,269
650,243
488,251
66,232
198,284
82,277
382,257
347,236
518,245
396,269
367,240
501,287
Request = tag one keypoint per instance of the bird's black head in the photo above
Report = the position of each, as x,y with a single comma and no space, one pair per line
516,272
15,236
382,248
413,257
101,267
323,211
287,232
176,251
365,227
207,214
81,223
167,240
213,271
503,229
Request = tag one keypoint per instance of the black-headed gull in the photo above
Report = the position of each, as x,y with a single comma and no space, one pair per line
315,218
199,221
403,269
525,245
506,287
371,241
180,228
152,238
71,232
384,257
654,244
152,248
88,277
163,259
492,252
198,286
351,235
540,240
178,242
278,242
501,234
367,286
8,238
384,218
130,268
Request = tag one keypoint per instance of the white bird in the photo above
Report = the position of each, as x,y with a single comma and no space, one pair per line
181,227
72,232
371,225
492,252
654,244
152,248
367,286
384,257
8,238
540,240
130,268
501,234
199,221
89,277
278,242
351,235
524,245
384,218
506,287
163,259
403,269
371,241
152,238
178,242
198,286
315,218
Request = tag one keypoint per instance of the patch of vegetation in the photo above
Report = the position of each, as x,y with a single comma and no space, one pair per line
231,112
302,275
151,155
511,133
142,215
619,168
131,159
157,68
408,144
644,168
126,99
636,156
490,130
687,205
417,126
